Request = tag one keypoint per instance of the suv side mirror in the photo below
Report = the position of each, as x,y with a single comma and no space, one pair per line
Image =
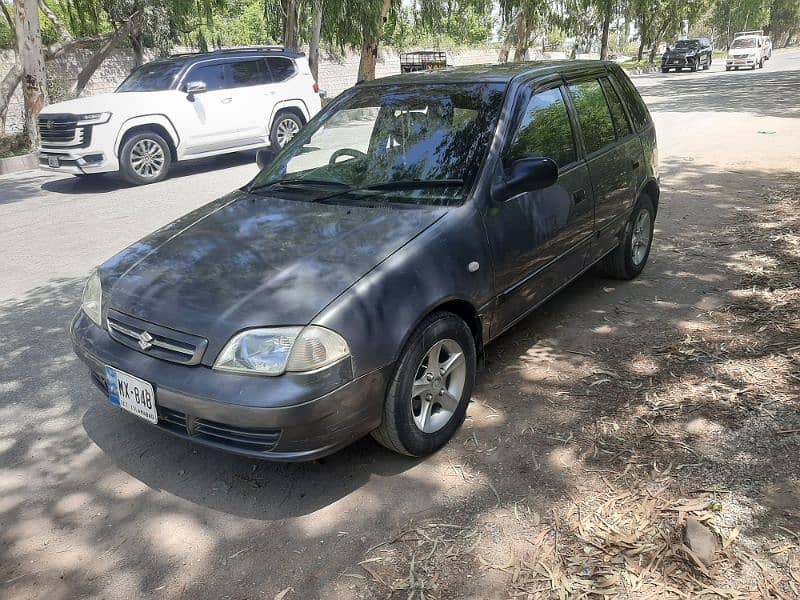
527,175
195,87
264,158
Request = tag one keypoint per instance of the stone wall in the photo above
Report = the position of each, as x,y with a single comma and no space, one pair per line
336,74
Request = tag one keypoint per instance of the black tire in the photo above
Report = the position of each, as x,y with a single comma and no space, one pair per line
663,70
126,166
283,120
761,64
708,64
727,68
695,65
398,431
619,264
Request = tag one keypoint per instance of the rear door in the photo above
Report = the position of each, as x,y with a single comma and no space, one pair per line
539,239
613,155
251,92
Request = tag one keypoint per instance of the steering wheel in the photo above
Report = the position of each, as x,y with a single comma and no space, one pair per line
351,152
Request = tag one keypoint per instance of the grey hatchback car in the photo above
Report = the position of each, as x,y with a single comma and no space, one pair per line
352,286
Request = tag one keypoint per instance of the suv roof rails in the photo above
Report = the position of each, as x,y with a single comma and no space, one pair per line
244,49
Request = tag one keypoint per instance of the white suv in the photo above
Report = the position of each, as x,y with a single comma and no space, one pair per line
185,106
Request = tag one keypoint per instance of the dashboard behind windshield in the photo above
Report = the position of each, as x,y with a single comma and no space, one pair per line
380,135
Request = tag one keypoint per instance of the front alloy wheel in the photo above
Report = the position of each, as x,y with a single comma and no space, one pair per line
285,127
427,399
145,158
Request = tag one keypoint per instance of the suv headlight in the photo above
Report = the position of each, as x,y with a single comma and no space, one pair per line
94,118
274,351
92,301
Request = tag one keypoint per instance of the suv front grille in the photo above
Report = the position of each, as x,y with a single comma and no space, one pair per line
62,131
155,340
241,438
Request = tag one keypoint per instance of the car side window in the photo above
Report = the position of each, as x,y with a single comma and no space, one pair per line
544,130
638,111
593,115
281,68
621,124
212,75
248,72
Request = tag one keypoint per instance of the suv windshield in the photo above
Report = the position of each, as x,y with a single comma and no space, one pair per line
418,144
687,44
151,77
744,43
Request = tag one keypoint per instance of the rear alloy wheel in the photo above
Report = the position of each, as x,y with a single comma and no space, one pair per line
427,399
145,158
630,257
695,65
284,128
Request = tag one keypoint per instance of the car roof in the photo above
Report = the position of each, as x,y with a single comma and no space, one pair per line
495,73
245,52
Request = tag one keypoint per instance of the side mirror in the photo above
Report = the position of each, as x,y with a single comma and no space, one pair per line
264,158
527,175
195,87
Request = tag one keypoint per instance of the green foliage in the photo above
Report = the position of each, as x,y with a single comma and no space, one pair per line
730,16
14,145
784,19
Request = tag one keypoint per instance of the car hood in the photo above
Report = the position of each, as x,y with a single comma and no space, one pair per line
113,103
251,261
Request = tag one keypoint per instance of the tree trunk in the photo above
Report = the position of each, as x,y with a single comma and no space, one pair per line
29,46
510,38
137,44
523,39
313,44
606,24
290,34
369,49
98,57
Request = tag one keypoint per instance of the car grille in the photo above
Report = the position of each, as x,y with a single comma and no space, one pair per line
155,340
219,434
62,131
740,55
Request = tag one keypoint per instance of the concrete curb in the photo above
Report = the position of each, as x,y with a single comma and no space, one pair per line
23,162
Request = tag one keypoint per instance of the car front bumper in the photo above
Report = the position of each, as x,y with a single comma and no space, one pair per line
294,417
741,62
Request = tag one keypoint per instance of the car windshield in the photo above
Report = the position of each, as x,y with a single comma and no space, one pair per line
687,44
414,144
151,77
744,43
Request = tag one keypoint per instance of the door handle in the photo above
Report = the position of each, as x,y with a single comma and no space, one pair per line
226,100
635,164
579,196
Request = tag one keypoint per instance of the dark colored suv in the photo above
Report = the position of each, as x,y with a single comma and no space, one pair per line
694,54
351,287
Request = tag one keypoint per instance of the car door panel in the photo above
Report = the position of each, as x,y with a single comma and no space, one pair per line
539,238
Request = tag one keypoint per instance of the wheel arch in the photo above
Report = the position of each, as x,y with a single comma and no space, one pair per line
297,107
155,123
653,191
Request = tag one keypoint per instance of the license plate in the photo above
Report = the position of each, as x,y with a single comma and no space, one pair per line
52,161
131,393
674,62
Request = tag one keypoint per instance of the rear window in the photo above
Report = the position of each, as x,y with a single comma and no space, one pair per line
281,68
617,111
248,72
593,115
630,96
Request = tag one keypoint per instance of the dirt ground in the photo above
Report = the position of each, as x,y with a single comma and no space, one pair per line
600,427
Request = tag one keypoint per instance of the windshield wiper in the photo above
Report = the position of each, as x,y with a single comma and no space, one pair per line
295,181
400,184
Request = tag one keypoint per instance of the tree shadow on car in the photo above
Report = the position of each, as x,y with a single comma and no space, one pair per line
109,182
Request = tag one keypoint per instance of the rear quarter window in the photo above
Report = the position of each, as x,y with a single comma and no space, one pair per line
281,68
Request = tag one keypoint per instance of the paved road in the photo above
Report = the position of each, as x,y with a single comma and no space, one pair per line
94,503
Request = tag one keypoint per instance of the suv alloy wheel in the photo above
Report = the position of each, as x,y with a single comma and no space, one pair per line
284,128
145,158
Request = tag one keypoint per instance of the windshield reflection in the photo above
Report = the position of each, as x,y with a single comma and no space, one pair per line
384,134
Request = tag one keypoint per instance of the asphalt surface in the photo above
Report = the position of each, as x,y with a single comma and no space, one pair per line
95,503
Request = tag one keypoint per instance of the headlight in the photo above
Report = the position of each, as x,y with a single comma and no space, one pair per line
92,301
94,118
276,350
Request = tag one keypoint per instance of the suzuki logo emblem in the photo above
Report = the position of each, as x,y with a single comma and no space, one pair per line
145,340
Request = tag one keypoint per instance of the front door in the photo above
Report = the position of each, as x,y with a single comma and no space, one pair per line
539,239
215,120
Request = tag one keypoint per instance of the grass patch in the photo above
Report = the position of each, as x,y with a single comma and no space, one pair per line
637,64
14,145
